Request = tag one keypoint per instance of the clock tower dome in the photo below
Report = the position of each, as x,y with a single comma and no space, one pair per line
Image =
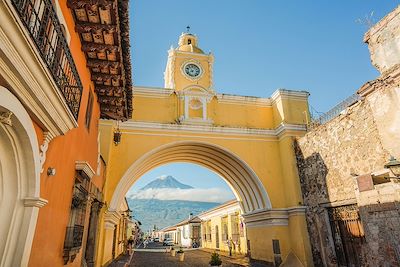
188,65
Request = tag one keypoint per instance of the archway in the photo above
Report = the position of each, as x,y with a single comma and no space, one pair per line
247,186
19,181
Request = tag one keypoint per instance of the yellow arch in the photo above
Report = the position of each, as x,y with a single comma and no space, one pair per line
247,186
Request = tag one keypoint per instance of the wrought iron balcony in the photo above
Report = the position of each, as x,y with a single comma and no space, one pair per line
40,19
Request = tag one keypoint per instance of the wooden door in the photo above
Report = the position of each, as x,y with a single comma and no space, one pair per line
348,234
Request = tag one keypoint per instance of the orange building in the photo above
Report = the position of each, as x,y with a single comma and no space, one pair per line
63,65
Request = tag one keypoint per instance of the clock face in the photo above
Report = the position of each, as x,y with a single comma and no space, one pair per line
192,70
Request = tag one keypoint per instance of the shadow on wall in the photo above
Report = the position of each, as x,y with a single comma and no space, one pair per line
313,173
364,231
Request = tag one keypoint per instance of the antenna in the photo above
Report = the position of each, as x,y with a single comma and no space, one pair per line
187,29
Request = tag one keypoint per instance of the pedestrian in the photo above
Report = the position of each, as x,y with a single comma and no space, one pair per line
130,245
230,246
145,243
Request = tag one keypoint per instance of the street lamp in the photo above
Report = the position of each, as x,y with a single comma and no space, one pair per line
394,166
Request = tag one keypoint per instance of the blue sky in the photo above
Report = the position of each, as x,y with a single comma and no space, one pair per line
259,46
262,45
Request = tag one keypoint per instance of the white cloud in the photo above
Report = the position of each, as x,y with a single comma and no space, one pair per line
193,194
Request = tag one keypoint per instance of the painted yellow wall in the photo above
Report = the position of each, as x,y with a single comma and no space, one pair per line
157,121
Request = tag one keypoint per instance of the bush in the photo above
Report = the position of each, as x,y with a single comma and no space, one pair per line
215,259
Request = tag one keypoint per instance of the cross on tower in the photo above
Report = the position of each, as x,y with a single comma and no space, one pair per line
187,28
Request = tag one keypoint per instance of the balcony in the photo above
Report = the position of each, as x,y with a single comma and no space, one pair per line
40,19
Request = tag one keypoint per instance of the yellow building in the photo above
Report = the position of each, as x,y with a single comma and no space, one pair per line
247,140
222,224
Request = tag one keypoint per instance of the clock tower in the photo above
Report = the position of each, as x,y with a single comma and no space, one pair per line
188,65
189,74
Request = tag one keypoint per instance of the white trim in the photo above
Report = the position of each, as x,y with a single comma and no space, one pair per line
18,241
28,76
290,94
243,100
136,125
272,217
85,167
247,187
35,202
152,92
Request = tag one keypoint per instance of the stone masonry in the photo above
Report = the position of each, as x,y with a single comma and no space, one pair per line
341,167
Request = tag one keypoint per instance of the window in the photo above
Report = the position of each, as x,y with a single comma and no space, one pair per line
189,41
235,227
209,231
89,110
224,222
74,233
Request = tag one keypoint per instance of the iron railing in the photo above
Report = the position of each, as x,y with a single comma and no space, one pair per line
40,19
336,110
73,237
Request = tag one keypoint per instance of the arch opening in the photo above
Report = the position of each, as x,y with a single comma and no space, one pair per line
248,188
19,181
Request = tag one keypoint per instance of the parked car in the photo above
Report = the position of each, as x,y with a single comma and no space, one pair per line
168,242
156,239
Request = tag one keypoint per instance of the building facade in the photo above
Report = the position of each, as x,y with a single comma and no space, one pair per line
222,224
50,104
351,193
247,140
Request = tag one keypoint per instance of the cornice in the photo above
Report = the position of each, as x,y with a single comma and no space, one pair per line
112,217
85,167
35,202
272,217
153,92
283,128
246,100
290,94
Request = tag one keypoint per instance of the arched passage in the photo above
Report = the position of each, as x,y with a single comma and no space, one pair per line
19,181
243,180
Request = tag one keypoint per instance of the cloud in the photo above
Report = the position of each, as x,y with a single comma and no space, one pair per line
193,194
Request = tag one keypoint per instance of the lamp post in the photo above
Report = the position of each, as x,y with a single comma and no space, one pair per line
394,166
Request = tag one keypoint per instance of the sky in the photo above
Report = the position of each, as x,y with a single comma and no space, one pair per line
259,46
208,186
262,45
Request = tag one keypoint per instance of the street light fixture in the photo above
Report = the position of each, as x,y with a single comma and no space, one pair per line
394,166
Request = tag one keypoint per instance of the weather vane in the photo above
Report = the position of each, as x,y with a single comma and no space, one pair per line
187,28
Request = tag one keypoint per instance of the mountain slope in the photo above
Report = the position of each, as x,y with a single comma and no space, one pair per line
164,213
165,182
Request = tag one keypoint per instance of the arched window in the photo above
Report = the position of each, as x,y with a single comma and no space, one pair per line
189,41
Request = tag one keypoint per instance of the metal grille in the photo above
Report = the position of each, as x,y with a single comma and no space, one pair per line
41,21
73,237
335,111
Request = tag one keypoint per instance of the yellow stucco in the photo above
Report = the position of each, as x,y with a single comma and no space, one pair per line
254,134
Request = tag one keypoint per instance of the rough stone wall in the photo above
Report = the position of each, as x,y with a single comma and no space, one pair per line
329,157
383,41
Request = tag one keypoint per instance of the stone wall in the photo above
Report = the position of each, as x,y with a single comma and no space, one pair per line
341,167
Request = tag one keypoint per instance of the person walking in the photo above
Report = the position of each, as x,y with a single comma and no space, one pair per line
130,245
230,246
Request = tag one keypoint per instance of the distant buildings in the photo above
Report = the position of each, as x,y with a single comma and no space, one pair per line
211,229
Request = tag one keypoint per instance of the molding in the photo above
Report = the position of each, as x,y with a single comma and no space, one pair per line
246,100
290,94
28,76
338,203
35,202
272,217
85,167
136,125
195,121
5,118
43,149
152,92
227,208
111,218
